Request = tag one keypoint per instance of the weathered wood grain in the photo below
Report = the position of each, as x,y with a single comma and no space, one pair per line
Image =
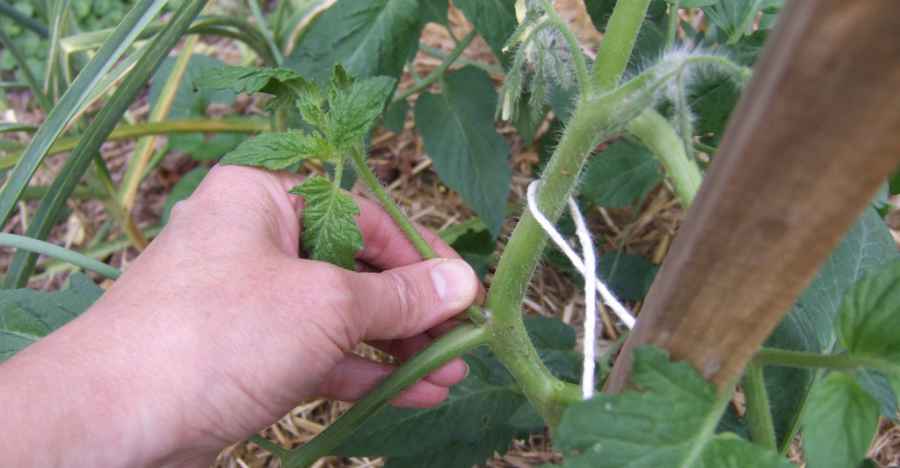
816,133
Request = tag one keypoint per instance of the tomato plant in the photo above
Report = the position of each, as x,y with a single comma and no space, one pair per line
659,90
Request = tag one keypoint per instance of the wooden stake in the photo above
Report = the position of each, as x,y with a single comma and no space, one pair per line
814,136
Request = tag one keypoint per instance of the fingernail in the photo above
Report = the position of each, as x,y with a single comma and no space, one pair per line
455,283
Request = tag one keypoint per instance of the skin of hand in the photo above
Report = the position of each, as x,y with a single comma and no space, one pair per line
219,328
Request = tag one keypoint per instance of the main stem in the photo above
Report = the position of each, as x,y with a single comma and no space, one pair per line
618,42
594,119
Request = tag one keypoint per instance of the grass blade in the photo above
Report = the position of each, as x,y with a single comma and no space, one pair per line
10,12
60,253
89,145
26,71
140,158
139,16
52,78
127,132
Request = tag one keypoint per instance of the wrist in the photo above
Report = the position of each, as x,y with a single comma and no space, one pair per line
76,398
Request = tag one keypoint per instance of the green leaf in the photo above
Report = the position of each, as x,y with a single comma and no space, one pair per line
192,97
623,174
692,3
192,100
330,233
353,110
839,423
457,127
183,189
810,326
487,411
395,116
435,11
712,101
732,16
879,387
286,85
629,276
476,246
495,20
368,38
277,151
26,315
671,422
868,318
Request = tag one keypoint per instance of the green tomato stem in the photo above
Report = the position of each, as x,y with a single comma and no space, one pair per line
674,19
759,412
618,42
783,357
452,345
368,177
658,135
594,119
438,72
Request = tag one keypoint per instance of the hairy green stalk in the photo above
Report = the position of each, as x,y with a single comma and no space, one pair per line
759,412
60,253
452,345
595,119
618,42
658,135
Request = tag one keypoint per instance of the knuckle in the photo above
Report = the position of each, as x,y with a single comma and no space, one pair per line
404,291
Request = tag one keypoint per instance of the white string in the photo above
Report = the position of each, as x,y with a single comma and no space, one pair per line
592,284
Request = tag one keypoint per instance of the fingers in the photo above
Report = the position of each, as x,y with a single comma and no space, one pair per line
448,374
385,245
406,301
354,377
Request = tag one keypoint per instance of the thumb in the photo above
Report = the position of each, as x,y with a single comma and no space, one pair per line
409,300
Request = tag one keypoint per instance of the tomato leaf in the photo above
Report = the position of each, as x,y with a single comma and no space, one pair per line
26,315
277,151
623,174
867,324
839,422
457,127
249,80
810,326
670,422
330,233
487,411
368,38
353,109
395,116
495,20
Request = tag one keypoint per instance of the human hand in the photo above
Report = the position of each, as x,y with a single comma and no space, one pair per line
218,329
